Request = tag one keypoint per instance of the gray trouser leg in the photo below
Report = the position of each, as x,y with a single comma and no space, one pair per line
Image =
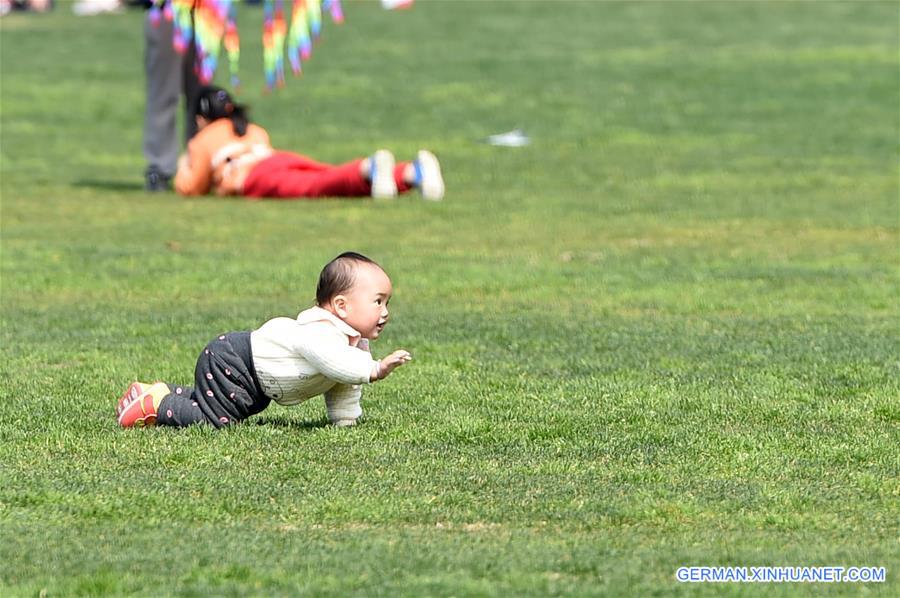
179,408
163,70
191,87
226,389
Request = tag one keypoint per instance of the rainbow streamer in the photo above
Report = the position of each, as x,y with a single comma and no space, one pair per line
210,24
296,37
314,18
212,19
334,7
274,29
183,23
160,9
177,12
306,26
233,45
299,41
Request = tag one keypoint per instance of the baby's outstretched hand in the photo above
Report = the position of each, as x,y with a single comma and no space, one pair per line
387,365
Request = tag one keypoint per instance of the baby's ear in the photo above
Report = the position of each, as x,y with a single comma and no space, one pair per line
339,303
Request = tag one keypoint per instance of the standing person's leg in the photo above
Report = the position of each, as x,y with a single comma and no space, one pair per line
162,68
191,88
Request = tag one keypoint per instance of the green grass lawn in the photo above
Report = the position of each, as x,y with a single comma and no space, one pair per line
665,333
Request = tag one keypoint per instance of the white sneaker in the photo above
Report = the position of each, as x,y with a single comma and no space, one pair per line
428,176
382,175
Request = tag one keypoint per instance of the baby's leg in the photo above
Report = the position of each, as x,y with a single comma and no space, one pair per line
226,391
159,404
179,409
225,385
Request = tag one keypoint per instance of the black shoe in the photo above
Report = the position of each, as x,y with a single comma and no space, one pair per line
155,181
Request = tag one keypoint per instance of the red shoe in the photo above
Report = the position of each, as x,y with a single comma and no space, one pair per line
136,409
134,391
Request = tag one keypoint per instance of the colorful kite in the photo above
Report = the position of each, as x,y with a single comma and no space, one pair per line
274,32
306,26
211,24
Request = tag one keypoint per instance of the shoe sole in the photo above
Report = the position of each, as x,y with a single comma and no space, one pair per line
135,394
383,184
432,184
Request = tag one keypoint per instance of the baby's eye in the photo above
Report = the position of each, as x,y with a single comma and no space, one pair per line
378,302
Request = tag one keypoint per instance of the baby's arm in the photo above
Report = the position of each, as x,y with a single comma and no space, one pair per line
342,403
326,350
387,365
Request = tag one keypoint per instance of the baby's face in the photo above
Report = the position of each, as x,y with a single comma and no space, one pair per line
367,301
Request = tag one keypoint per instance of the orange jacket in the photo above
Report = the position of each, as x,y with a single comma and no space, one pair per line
218,159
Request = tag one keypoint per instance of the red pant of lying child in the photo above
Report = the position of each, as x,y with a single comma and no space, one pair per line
286,175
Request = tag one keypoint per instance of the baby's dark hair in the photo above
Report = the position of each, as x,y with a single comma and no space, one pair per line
338,275
214,103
